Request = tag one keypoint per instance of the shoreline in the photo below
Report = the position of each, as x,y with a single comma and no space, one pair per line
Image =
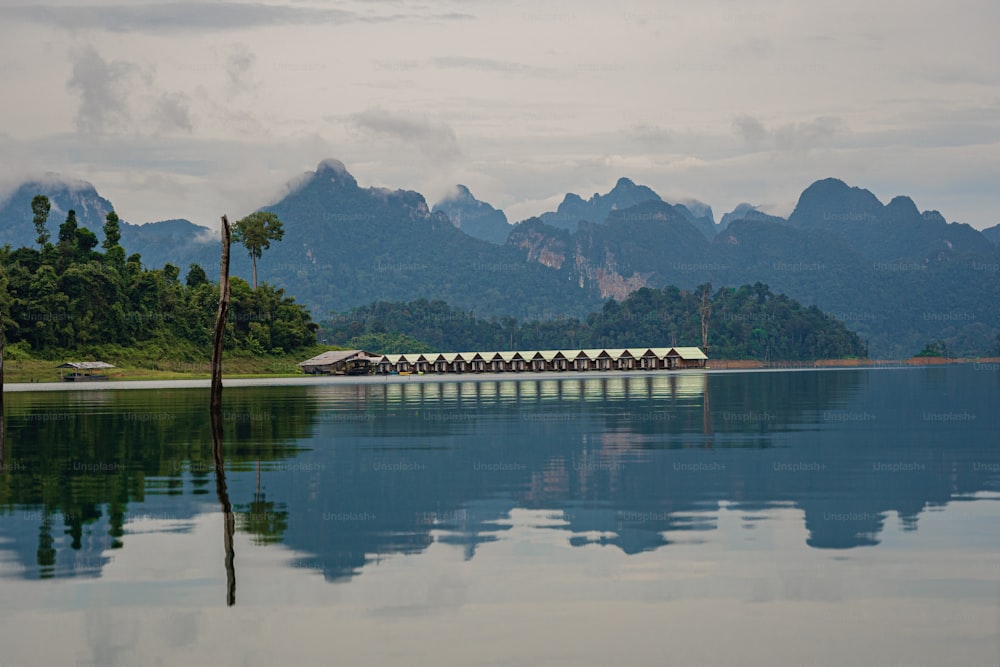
718,367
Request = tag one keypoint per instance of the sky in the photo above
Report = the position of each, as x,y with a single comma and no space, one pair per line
196,108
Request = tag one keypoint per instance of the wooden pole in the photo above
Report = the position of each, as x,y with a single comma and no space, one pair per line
706,313
220,321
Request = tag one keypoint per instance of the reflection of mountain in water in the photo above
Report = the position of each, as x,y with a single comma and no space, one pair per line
628,461
624,460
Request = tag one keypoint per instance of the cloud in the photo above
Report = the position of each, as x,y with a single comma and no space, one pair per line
104,89
239,62
490,65
751,129
650,135
434,139
171,112
790,136
173,17
118,97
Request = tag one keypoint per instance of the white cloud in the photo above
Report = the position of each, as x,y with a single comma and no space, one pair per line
171,112
434,139
104,90
212,105
787,136
239,65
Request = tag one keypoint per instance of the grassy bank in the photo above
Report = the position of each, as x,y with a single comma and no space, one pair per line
239,366
137,368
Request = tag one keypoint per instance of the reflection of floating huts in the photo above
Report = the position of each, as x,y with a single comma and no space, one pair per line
630,359
83,371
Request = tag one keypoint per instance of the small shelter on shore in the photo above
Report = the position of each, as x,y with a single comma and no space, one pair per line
83,371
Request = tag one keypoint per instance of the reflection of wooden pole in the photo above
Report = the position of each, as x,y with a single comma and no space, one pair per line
220,321
229,519
706,314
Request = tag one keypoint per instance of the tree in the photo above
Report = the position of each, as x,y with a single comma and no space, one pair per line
171,273
935,348
255,232
67,230
86,241
40,207
196,276
112,231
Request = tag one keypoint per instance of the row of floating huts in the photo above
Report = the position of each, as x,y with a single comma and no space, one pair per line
360,362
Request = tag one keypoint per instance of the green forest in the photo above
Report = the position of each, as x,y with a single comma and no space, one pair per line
83,297
748,322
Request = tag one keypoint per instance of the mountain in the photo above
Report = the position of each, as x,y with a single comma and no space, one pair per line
177,242
700,215
181,243
345,245
898,277
476,218
746,211
573,208
16,223
636,247
885,233
993,234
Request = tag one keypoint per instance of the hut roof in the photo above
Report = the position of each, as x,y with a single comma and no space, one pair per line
335,356
689,352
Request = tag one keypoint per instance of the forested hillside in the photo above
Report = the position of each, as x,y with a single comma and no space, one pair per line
69,297
749,322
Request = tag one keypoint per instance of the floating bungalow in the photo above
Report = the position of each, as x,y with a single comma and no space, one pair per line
83,371
630,359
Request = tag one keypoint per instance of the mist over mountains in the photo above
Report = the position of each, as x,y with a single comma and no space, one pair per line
898,276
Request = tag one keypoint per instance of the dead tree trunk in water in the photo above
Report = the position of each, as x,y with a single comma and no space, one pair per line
228,518
220,321
215,414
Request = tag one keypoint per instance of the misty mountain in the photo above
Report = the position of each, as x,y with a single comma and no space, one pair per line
891,232
345,245
573,208
746,211
476,218
181,243
16,221
898,277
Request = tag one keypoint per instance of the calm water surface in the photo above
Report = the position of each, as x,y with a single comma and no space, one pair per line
801,517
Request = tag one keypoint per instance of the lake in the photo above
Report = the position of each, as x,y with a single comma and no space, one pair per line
811,517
